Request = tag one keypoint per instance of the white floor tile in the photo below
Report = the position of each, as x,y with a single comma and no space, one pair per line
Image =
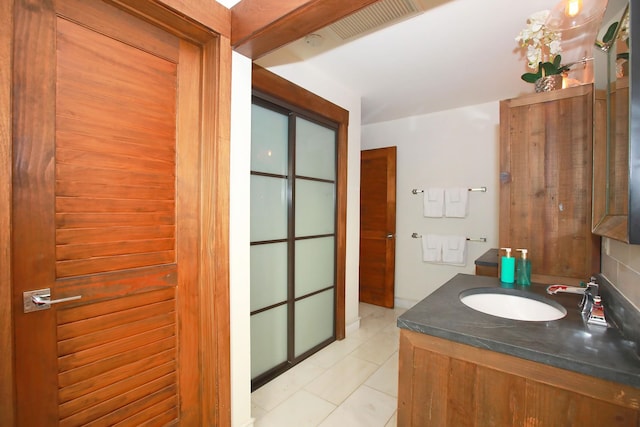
393,422
392,329
369,326
303,409
386,314
339,381
377,349
366,310
385,379
281,388
334,352
257,411
366,407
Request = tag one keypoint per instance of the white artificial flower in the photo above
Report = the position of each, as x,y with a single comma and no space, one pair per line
542,43
534,56
554,47
539,18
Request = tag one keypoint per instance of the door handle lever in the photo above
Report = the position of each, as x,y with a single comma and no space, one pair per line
41,300
46,299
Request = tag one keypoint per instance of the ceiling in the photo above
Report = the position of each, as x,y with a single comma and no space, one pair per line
452,54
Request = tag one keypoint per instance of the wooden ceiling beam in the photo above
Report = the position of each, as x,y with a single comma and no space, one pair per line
261,26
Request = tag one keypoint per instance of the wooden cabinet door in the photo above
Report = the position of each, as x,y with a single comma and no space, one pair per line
546,149
106,205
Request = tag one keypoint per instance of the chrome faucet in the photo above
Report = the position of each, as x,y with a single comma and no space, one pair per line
588,292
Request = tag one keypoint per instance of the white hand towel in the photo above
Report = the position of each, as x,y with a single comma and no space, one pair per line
454,250
431,248
433,202
455,202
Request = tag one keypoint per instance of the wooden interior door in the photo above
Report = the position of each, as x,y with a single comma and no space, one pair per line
377,226
106,206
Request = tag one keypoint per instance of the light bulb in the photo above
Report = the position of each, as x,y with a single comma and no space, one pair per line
573,7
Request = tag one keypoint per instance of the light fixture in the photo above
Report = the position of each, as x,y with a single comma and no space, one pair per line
314,40
578,22
573,8
570,14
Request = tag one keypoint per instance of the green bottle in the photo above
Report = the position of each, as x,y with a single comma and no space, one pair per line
523,269
507,267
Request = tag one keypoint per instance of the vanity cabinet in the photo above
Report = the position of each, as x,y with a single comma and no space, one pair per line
444,383
546,150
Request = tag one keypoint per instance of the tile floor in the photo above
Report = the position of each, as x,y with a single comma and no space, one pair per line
353,382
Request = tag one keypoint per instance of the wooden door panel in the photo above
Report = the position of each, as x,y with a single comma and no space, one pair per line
373,269
115,103
120,26
98,169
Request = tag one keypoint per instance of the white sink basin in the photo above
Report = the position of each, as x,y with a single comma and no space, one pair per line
512,304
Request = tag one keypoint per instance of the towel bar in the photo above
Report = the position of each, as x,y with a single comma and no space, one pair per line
470,239
482,189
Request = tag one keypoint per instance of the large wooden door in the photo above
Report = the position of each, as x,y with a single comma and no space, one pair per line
107,206
377,226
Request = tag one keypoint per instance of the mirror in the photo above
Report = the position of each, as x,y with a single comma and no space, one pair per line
613,213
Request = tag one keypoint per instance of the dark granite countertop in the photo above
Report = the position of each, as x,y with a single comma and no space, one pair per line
568,343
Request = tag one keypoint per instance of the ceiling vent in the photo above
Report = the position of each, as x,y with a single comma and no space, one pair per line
374,17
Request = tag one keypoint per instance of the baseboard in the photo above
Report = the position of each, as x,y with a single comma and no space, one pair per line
248,423
352,327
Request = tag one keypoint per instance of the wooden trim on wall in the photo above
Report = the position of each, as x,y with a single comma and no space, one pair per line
341,231
260,26
209,17
273,85
7,397
207,13
267,82
215,353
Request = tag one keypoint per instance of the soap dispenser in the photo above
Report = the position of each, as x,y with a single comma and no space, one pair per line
523,269
507,267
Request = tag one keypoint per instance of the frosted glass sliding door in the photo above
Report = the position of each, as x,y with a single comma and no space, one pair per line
315,213
269,227
293,243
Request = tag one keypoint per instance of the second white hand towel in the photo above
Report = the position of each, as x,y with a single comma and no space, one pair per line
454,250
455,202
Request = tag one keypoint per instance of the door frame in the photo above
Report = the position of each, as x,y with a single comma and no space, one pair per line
209,26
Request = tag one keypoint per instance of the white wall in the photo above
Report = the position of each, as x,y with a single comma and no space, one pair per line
454,148
239,285
239,239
